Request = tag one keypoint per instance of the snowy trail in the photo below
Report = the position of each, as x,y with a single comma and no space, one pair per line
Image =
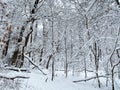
37,82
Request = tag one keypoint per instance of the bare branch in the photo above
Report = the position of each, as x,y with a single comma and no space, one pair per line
90,79
34,64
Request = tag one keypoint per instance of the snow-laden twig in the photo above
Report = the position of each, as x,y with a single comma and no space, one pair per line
29,59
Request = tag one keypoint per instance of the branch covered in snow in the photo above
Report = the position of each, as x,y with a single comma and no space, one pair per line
15,69
15,77
29,59
89,78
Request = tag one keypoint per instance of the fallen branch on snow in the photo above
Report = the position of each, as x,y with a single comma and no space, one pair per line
15,77
16,69
90,79
29,59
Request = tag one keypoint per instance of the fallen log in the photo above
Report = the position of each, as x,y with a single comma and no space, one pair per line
16,69
14,77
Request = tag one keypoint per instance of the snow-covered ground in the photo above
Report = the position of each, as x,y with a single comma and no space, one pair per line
37,81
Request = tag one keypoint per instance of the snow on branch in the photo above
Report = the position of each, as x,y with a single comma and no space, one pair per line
16,69
29,59
89,78
15,77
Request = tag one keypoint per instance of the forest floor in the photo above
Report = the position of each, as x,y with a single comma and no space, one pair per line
41,82
38,81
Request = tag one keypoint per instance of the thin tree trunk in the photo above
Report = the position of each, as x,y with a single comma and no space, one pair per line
96,54
53,53
53,70
66,61
48,62
113,87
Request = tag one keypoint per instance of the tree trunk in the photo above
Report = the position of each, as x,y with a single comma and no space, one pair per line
53,72
66,61
96,54
113,87
53,52
47,66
